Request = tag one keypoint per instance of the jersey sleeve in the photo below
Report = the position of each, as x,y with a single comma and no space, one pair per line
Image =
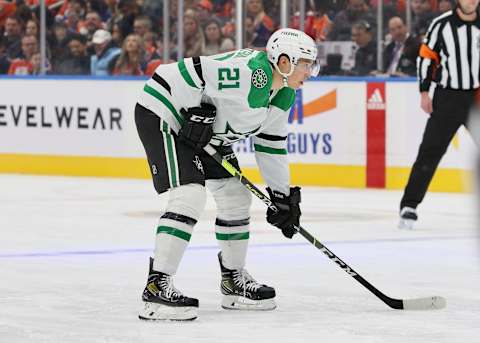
428,57
271,144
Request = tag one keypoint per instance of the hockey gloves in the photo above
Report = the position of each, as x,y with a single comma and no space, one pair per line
288,215
197,130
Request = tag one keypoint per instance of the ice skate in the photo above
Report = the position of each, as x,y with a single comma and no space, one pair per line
241,291
162,301
408,217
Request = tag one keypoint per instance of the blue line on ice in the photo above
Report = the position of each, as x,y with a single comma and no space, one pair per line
209,247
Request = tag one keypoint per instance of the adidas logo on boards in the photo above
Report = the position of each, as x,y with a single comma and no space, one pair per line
376,102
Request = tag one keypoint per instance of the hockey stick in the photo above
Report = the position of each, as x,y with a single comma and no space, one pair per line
428,303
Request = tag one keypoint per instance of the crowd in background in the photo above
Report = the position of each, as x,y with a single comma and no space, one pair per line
124,37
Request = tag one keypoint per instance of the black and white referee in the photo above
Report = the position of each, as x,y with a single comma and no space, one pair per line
449,57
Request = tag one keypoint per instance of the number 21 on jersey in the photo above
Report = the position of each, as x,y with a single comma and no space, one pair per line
228,78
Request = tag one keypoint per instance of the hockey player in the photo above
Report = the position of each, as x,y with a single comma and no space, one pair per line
219,100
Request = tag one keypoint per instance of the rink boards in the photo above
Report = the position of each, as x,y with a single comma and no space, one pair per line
343,132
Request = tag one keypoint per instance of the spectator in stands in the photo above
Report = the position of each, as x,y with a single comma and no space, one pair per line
103,62
356,11
112,10
150,43
223,9
7,9
29,46
321,23
128,10
24,13
12,36
36,63
77,61
142,25
72,14
100,7
59,43
204,10
308,22
131,60
117,36
153,9
92,23
445,5
249,32
157,57
214,41
71,19
273,8
390,8
228,27
4,61
152,65
400,55
78,6
366,55
423,13
22,65
193,36
32,29
337,5
262,24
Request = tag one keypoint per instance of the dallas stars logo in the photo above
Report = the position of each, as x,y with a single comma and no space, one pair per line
231,136
259,78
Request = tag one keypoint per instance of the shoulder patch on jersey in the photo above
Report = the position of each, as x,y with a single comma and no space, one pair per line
259,78
284,99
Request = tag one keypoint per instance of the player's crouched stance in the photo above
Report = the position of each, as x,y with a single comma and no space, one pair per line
219,100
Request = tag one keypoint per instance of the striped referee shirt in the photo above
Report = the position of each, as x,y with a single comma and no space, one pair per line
450,53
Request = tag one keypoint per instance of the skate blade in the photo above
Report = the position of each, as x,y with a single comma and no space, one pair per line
154,311
233,302
406,224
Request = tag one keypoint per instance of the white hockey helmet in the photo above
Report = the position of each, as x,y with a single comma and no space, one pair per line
295,45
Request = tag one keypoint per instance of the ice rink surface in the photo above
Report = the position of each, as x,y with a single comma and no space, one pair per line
74,257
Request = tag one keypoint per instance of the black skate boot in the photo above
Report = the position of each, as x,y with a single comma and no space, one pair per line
163,301
241,291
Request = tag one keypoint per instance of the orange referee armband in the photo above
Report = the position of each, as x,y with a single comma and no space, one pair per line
426,52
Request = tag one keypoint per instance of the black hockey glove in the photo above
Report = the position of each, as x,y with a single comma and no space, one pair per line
197,130
288,215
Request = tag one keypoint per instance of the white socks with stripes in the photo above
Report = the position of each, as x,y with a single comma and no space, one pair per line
175,227
232,237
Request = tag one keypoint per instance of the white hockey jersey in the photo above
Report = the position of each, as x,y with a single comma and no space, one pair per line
239,84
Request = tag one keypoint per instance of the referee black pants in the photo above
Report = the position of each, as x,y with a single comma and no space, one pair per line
451,109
